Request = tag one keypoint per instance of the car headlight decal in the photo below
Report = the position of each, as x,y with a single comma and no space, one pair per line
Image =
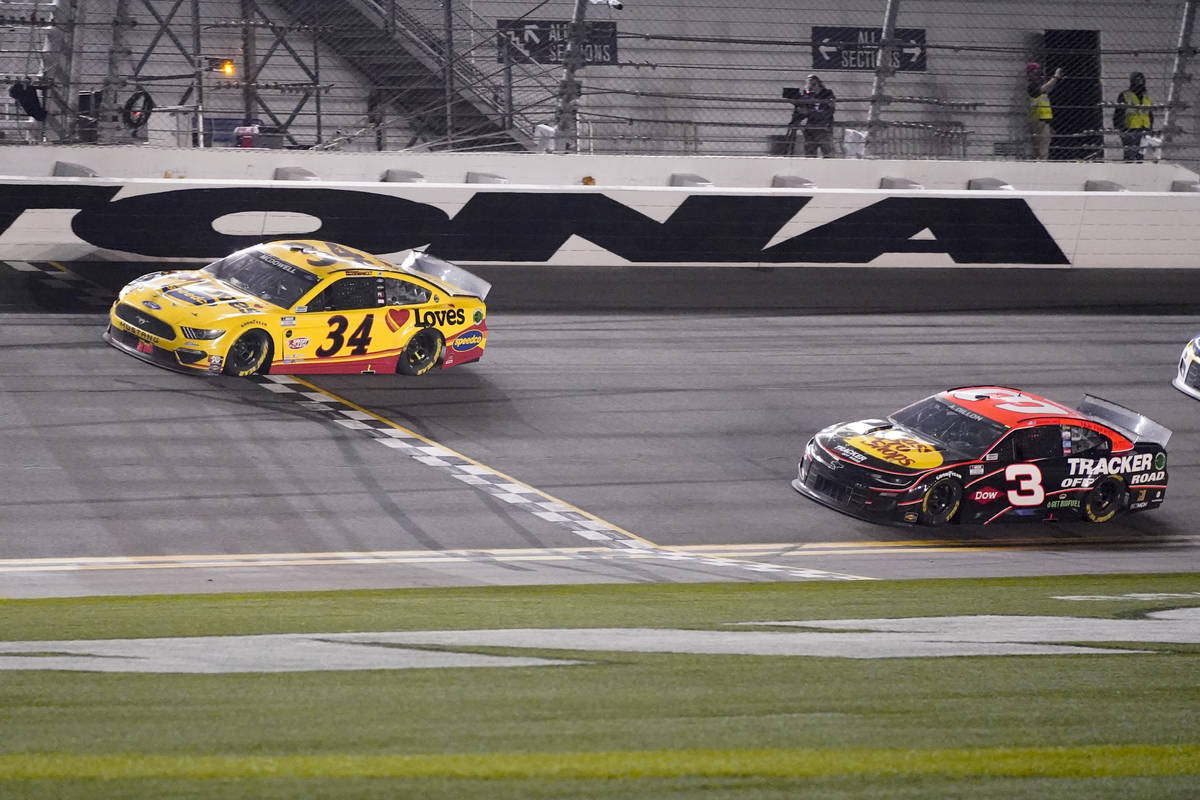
201,333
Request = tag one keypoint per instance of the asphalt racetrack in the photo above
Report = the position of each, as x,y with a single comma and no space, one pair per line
584,447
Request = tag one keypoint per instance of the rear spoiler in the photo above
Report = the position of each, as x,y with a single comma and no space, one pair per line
457,281
1137,427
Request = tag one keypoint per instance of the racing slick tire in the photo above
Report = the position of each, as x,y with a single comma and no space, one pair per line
422,353
1104,500
941,502
250,354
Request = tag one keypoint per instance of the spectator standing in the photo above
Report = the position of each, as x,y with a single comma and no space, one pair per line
814,110
1041,114
1133,117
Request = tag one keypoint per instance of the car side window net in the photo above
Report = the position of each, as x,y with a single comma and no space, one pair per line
349,294
1031,444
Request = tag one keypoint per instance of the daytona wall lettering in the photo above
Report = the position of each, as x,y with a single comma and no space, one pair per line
530,227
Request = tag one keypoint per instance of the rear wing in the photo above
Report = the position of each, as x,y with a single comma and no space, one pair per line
455,279
1137,427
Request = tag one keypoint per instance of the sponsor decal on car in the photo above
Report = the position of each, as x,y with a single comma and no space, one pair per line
1148,477
153,306
1138,462
1063,502
448,316
985,495
396,318
467,341
299,343
898,447
850,453
975,469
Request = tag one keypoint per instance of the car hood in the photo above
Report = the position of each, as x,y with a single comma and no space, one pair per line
880,444
191,298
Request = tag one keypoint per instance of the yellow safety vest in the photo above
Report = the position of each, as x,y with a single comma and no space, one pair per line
1139,119
1039,108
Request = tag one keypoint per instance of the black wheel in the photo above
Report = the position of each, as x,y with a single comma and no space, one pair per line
941,502
422,353
1104,500
250,355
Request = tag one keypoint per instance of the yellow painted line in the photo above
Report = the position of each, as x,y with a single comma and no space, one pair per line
944,544
1061,762
530,554
468,459
224,561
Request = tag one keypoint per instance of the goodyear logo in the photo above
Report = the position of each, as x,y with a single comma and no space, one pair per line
468,341
898,447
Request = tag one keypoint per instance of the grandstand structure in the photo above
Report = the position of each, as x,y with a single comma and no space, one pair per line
915,79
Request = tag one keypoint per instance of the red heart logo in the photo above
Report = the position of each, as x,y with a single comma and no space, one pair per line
396,318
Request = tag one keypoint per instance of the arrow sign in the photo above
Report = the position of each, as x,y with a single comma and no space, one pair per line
544,41
844,48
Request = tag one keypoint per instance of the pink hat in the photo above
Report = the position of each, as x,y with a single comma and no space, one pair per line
1033,66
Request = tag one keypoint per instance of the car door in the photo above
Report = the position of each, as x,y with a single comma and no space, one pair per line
339,326
1034,467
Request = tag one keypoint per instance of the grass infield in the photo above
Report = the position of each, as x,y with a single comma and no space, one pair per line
644,725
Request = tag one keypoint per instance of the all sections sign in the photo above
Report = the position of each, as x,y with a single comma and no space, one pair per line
859,49
544,41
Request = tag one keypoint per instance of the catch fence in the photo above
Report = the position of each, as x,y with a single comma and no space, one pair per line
912,78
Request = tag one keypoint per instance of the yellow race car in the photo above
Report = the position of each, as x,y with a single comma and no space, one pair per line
304,307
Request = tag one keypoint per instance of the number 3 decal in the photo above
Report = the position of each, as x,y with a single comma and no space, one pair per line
1014,401
1029,490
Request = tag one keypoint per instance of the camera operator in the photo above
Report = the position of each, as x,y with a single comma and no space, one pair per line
813,113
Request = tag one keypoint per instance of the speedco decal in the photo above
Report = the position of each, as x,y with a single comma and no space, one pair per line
449,316
526,227
898,447
298,344
468,341
1139,462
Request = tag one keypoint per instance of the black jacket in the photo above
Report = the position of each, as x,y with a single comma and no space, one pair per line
816,107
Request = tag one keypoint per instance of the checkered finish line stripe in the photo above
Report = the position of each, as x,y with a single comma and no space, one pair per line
59,279
503,488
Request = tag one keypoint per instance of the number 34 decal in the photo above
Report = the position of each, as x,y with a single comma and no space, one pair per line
1028,491
358,341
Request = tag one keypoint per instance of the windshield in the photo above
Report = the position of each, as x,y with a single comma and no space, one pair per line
950,425
264,276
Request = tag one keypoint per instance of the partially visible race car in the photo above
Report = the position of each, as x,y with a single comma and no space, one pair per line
1187,376
982,454
304,307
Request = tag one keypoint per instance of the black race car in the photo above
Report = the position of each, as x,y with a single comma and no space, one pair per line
982,454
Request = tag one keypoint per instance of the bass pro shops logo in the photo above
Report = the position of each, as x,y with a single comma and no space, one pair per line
531,227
